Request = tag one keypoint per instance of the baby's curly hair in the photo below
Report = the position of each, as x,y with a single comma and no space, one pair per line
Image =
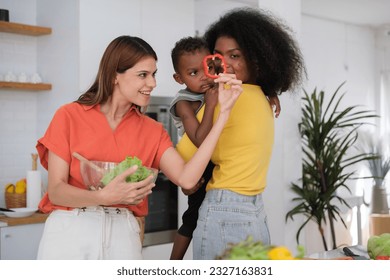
187,45
269,49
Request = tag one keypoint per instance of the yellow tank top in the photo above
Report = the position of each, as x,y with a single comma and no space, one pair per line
244,149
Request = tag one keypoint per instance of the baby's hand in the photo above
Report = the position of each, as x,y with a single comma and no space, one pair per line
275,104
211,96
195,188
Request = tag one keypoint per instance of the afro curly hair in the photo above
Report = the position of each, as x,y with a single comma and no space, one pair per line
267,44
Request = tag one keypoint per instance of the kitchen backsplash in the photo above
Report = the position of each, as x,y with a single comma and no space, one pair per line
18,136
18,109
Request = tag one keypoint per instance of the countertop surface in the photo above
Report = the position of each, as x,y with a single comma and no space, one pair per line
34,219
338,253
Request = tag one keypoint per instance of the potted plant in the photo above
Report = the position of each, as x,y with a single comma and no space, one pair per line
328,132
378,168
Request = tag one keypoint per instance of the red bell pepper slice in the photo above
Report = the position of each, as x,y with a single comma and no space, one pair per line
212,57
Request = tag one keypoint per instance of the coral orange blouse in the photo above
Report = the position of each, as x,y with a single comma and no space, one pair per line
84,129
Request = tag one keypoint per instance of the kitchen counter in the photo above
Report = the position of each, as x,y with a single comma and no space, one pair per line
34,219
338,253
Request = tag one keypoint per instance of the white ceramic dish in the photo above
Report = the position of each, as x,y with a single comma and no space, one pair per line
20,212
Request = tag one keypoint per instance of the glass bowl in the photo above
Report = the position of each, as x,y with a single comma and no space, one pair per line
96,174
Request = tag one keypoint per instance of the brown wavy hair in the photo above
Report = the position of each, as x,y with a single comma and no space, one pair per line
121,54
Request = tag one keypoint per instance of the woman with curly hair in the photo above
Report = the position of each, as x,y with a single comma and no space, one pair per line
261,52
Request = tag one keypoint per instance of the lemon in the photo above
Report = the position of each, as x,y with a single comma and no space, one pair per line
280,253
10,188
20,186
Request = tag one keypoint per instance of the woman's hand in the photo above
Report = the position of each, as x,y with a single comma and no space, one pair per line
275,104
118,191
229,90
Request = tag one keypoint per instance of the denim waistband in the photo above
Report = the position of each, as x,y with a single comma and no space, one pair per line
227,195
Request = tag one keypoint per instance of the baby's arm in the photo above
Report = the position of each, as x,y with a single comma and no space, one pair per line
197,131
274,102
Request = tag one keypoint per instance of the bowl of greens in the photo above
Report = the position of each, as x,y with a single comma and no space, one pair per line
97,174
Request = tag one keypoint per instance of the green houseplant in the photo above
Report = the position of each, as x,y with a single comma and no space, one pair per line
378,168
328,132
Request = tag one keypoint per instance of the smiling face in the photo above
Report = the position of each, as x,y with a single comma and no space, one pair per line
234,58
136,83
191,72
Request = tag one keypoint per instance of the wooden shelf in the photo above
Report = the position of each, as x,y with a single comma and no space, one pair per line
24,29
24,86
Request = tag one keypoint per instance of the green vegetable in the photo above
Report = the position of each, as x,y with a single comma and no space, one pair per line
379,245
301,252
140,174
246,250
253,250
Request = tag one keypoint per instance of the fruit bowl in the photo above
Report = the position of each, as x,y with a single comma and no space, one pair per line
97,174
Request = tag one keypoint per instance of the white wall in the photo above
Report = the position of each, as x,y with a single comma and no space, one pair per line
336,52
207,12
69,57
100,22
58,56
153,20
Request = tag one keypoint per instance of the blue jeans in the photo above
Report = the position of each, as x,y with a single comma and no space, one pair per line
228,217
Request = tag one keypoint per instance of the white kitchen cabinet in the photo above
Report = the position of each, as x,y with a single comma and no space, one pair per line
20,242
163,252
157,252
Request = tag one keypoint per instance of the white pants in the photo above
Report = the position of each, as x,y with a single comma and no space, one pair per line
96,233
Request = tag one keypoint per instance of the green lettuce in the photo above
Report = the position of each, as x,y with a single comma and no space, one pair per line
140,174
379,245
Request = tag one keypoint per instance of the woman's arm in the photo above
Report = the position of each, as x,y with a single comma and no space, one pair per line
186,175
62,193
